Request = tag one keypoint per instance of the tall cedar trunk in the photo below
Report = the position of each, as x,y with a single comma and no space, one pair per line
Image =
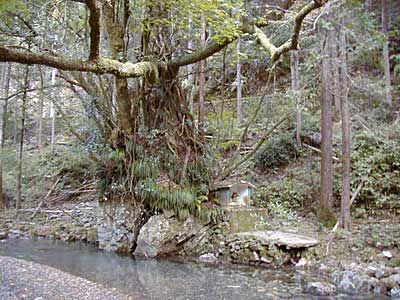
335,69
2,82
239,85
4,107
190,75
39,120
294,68
345,218
4,117
53,116
386,60
202,76
326,192
21,140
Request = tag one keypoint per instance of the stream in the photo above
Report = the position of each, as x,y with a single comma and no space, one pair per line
165,279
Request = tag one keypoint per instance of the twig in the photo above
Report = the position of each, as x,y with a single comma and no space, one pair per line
45,198
354,196
319,151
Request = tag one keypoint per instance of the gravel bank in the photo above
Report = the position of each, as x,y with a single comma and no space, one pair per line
21,279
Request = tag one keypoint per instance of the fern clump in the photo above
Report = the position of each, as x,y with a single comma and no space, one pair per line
157,179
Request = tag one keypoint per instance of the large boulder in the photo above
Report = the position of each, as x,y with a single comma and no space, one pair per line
118,226
162,236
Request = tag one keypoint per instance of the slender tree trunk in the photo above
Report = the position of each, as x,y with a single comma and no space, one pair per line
6,75
53,116
190,75
345,218
368,5
294,68
326,201
386,60
39,121
202,76
335,70
4,116
239,85
21,140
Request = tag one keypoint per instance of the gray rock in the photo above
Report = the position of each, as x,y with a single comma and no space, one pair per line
44,230
347,283
208,258
387,254
395,293
379,273
380,288
396,278
371,271
3,235
15,234
161,236
117,224
320,288
390,283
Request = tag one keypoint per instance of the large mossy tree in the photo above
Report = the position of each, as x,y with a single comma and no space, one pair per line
128,58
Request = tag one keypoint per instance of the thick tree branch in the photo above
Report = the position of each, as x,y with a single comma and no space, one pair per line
99,65
265,41
291,44
95,28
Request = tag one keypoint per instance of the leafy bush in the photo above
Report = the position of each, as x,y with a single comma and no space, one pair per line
290,192
376,160
278,152
40,171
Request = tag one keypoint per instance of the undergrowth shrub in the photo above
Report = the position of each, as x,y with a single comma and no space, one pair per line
376,161
40,171
278,152
292,192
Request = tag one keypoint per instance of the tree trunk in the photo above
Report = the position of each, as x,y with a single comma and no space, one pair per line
368,5
53,116
326,201
335,69
4,116
239,85
39,120
345,218
190,75
202,77
4,107
386,60
21,140
294,68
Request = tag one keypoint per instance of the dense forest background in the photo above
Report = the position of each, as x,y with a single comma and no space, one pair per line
299,97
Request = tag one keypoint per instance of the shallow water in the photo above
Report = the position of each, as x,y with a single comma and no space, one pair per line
165,279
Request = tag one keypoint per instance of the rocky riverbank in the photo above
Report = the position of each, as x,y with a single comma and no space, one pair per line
69,222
